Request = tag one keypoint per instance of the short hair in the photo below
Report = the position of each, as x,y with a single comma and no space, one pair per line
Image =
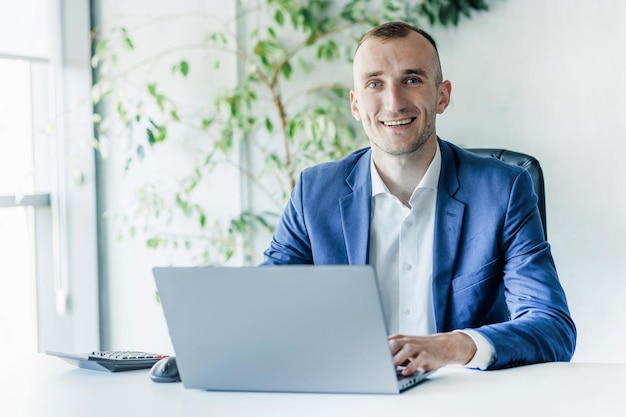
397,30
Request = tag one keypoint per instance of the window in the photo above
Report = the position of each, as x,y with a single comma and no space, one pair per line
48,268
18,330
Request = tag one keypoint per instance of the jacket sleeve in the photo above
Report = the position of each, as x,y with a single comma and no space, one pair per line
540,328
290,243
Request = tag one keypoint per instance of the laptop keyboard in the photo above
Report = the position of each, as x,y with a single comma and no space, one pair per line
125,354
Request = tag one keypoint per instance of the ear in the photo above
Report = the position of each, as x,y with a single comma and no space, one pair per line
444,90
354,105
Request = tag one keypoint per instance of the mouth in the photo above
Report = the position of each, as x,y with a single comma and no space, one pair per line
394,123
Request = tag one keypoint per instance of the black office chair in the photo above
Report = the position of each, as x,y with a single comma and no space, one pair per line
531,165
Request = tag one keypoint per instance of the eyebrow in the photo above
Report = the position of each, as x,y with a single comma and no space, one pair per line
419,71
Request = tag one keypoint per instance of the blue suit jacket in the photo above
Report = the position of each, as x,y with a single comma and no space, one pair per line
492,267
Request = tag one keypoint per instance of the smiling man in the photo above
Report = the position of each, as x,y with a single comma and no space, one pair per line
465,273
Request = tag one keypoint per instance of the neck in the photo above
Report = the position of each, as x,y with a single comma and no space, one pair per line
402,173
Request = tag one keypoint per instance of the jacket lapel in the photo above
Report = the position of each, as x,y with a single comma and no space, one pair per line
356,210
448,223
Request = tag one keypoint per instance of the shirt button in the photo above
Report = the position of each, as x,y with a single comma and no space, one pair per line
409,224
407,311
407,267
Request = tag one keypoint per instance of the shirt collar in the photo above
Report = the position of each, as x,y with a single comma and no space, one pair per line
430,179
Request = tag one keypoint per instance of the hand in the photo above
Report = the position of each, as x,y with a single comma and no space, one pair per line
428,353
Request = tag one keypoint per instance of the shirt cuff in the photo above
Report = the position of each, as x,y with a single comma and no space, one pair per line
485,352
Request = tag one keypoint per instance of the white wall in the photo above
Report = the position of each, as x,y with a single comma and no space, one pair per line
548,78
541,77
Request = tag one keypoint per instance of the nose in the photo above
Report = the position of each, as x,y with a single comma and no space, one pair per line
395,100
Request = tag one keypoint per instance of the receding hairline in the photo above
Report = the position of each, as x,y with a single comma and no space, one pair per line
397,30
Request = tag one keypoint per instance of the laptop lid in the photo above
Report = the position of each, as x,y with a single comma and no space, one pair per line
297,328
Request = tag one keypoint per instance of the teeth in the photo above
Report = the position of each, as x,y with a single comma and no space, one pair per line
397,122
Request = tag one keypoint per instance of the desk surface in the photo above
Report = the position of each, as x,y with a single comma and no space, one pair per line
41,386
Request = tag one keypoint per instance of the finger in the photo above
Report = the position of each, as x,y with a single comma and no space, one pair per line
395,343
413,366
424,362
404,355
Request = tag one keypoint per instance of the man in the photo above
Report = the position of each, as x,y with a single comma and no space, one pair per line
465,273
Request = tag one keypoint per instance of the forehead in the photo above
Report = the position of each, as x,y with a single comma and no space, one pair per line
391,55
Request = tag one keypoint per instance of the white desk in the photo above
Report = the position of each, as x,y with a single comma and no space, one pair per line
44,386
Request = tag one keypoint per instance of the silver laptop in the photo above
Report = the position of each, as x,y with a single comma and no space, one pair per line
279,328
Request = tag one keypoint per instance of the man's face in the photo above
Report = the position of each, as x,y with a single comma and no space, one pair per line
395,94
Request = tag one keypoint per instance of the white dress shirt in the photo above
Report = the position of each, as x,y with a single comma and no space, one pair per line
401,251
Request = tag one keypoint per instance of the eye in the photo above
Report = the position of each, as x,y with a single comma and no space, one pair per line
413,80
374,84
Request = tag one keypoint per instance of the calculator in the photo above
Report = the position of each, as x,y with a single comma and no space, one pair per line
110,361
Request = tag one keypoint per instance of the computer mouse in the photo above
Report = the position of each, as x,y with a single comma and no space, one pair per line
165,370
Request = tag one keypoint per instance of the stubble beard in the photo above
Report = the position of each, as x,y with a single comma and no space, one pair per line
414,148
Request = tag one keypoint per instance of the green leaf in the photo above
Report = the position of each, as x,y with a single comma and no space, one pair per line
162,133
192,184
449,14
206,123
266,62
158,134
158,97
184,206
328,51
101,46
184,68
121,112
286,70
391,6
275,159
268,125
464,7
153,242
279,18
127,41
151,137
292,128
218,37
129,161
479,4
